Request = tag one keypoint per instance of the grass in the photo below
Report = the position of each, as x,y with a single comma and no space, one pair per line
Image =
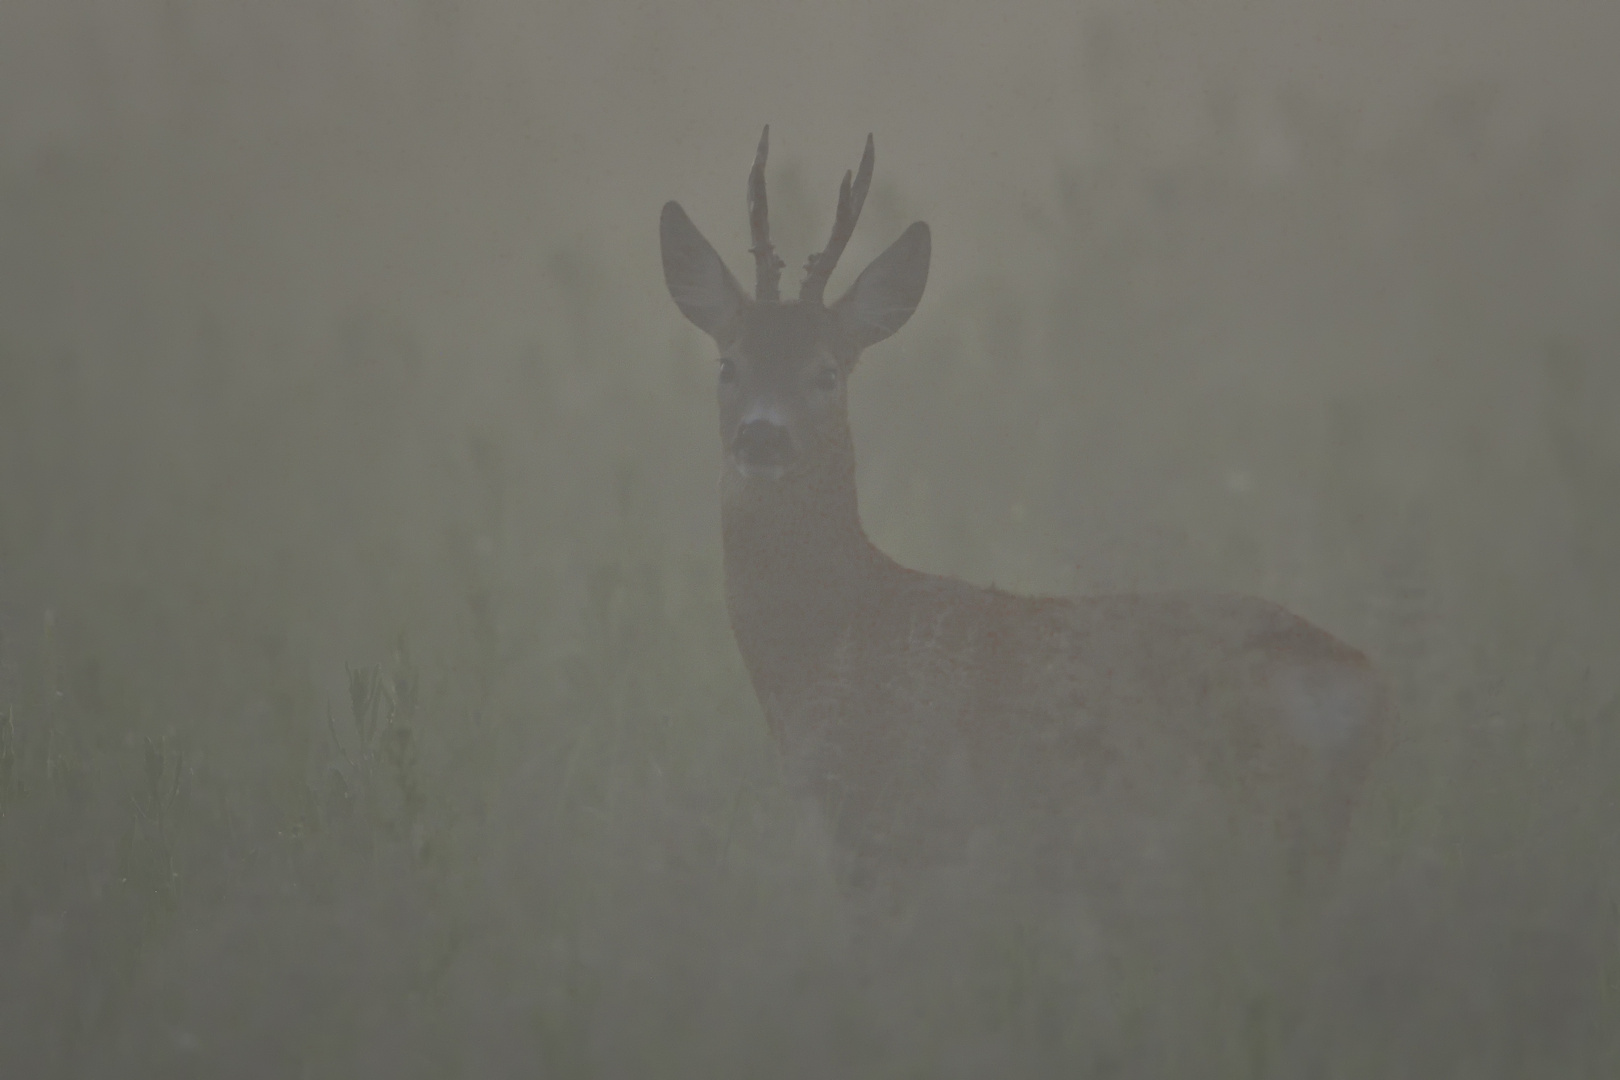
371,710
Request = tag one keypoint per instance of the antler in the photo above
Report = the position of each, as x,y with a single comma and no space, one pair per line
850,201
767,267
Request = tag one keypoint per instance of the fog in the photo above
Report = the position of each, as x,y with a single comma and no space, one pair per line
368,705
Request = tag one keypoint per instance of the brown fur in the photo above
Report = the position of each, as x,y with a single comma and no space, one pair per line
926,715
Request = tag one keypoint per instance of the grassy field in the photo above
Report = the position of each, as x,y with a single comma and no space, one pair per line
368,706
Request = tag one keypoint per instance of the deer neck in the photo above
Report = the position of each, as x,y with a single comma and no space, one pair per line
798,565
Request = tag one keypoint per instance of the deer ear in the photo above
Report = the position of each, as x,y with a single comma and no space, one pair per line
697,277
888,291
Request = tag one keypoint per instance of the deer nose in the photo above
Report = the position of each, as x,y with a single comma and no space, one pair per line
763,444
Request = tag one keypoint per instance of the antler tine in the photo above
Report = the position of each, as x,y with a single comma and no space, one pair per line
851,198
767,267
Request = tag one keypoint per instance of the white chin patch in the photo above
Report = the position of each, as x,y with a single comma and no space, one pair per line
760,472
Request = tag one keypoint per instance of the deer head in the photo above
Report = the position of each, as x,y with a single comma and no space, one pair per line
784,363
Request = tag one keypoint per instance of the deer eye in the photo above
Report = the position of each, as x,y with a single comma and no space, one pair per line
728,370
825,379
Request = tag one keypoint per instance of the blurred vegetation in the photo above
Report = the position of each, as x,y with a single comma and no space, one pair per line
368,707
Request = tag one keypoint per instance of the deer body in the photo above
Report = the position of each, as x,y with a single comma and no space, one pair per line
926,714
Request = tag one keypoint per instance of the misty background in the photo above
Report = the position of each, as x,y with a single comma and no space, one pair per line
367,702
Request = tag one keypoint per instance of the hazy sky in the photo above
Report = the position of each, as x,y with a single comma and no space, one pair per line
960,93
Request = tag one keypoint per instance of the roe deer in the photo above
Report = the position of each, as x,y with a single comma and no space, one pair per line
924,713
